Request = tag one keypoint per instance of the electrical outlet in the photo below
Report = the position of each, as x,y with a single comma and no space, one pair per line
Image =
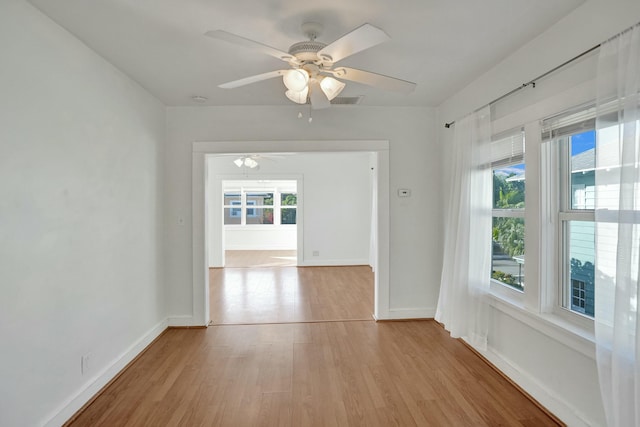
316,253
85,363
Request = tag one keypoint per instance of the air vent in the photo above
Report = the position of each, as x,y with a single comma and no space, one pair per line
347,100
343,100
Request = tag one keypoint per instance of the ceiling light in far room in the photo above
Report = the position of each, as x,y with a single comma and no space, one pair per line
249,162
246,161
298,97
199,99
296,79
331,87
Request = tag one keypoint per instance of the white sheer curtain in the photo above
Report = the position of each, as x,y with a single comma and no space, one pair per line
462,304
618,228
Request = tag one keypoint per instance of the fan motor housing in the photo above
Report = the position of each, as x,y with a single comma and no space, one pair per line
307,50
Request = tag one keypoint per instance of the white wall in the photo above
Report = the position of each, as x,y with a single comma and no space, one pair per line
414,163
80,228
250,238
554,362
335,207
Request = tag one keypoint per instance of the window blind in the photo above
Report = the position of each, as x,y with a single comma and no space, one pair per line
507,148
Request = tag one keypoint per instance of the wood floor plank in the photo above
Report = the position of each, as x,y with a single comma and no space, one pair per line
325,373
313,374
290,294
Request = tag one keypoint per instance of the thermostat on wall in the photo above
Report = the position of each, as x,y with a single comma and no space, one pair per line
404,192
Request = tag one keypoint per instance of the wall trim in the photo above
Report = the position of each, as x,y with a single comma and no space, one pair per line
538,391
258,247
199,230
94,386
333,262
181,321
409,313
550,325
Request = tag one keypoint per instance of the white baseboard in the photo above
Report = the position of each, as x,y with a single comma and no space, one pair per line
538,391
410,313
183,320
246,247
332,262
95,384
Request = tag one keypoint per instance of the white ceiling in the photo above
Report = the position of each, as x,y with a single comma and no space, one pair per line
442,45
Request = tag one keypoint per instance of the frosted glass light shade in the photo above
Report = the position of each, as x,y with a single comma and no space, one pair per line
249,162
331,87
295,79
239,162
298,97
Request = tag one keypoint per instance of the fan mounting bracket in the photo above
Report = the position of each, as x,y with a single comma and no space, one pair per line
313,30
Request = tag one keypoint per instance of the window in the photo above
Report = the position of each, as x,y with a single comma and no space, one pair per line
232,207
507,251
288,210
574,147
259,214
260,207
578,295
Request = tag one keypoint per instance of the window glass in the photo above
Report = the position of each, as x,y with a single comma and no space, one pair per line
260,199
260,216
582,162
232,216
507,252
232,198
289,199
288,215
581,258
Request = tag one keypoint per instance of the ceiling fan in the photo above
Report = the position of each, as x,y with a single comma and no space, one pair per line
312,75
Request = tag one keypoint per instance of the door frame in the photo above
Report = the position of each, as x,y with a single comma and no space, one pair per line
200,227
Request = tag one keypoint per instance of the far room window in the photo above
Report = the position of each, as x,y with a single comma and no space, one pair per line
232,206
275,204
288,208
262,213
507,247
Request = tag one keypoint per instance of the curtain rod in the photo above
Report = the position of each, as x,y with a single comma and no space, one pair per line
532,82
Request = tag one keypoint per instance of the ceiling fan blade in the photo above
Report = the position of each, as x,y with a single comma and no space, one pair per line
251,44
375,80
252,79
317,97
361,38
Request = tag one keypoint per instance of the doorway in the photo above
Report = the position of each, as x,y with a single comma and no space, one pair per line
202,222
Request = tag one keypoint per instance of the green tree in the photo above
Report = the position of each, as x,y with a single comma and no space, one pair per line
508,232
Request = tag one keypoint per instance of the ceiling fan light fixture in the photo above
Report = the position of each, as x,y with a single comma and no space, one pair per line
298,97
250,163
331,87
296,79
239,162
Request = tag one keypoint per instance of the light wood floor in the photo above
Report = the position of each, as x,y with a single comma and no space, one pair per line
260,258
323,373
358,373
290,294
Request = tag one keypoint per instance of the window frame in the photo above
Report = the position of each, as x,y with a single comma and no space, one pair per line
249,208
496,286
561,213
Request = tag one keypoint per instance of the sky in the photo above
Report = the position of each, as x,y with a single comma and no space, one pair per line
579,143
582,142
